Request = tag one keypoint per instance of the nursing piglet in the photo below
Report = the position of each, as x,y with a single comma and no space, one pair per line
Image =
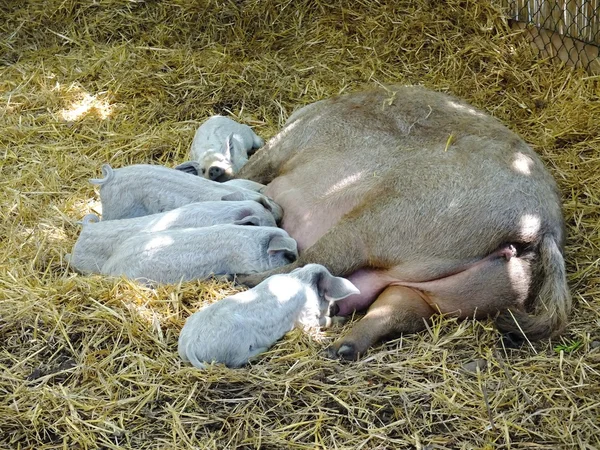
143,189
234,329
221,147
98,241
187,254
246,184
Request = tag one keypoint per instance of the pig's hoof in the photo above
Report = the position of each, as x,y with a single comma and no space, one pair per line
512,340
343,351
223,278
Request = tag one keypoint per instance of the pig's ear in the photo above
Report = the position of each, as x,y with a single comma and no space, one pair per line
234,149
228,149
191,167
333,288
237,196
248,220
267,203
287,245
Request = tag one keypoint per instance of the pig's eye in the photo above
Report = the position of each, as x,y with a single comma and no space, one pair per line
203,170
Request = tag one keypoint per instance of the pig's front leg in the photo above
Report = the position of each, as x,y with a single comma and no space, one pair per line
397,310
340,250
263,167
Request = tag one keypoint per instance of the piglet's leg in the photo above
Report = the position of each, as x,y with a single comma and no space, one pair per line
332,322
397,310
257,351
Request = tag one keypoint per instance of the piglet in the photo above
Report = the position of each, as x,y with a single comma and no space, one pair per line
234,329
97,241
143,189
245,184
193,168
187,254
221,147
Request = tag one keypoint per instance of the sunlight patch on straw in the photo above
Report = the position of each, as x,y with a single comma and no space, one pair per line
86,104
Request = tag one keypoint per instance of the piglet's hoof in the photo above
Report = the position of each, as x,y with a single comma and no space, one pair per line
249,280
343,350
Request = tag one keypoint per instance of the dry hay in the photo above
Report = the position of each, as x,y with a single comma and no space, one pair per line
90,363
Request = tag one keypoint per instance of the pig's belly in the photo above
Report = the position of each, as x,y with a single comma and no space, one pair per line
466,291
311,209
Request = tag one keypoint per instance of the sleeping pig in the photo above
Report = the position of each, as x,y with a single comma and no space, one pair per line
184,254
221,147
234,329
97,241
448,211
194,167
143,189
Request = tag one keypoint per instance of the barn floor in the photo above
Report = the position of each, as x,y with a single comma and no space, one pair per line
90,363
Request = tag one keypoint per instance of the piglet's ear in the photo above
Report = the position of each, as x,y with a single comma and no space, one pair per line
283,244
266,202
233,150
191,167
248,220
334,288
228,150
235,197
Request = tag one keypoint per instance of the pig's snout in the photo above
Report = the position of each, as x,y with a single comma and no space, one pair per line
334,309
509,252
290,257
215,172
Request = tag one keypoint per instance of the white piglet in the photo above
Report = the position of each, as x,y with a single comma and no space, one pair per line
187,254
143,189
234,329
221,147
98,240
246,184
192,167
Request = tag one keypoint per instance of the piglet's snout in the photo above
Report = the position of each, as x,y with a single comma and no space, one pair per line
290,257
215,172
509,252
334,309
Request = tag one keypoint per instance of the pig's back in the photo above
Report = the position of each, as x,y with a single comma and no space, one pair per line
437,172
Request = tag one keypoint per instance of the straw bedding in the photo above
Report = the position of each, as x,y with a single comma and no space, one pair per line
90,362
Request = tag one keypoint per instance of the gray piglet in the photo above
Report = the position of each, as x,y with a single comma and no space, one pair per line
187,254
239,327
98,240
143,189
220,148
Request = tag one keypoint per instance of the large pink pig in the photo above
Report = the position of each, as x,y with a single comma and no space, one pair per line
427,205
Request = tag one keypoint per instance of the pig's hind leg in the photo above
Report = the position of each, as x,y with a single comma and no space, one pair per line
495,283
397,310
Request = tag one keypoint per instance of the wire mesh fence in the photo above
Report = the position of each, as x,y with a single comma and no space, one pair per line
565,29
